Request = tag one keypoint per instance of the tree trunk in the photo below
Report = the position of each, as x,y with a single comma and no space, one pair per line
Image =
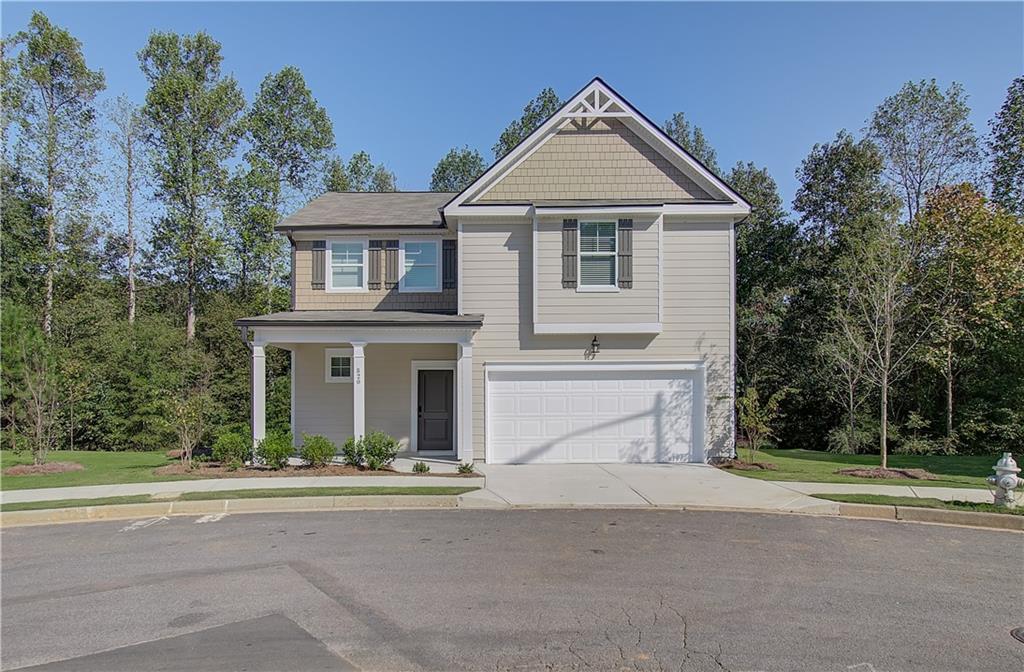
190,310
884,424
949,395
129,208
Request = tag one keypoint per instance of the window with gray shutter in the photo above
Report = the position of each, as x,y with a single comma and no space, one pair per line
597,254
319,263
626,253
570,229
390,264
450,263
376,250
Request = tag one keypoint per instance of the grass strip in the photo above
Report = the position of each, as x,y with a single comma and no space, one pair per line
353,491
921,503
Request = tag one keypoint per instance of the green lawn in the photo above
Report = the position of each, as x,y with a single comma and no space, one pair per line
954,471
243,494
101,468
921,502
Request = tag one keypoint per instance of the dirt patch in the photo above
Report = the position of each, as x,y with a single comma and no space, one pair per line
45,468
740,465
878,472
215,470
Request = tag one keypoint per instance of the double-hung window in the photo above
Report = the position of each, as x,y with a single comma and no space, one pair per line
338,367
421,266
597,255
348,266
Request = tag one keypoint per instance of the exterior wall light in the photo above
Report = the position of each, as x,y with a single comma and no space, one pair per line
595,346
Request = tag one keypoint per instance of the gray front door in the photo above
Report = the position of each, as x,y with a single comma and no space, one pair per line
436,406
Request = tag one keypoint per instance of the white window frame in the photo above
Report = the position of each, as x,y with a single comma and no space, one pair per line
436,242
330,353
329,271
580,287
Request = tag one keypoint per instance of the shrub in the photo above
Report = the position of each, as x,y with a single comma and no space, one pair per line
352,452
379,450
317,450
231,449
465,467
276,449
420,468
841,440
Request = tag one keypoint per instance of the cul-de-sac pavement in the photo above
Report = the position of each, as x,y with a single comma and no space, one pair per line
510,590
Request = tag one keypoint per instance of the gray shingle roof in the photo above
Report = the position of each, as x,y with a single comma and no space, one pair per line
334,318
399,209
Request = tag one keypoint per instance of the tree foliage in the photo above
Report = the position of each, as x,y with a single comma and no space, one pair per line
457,169
1006,148
359,174
691,138
536,112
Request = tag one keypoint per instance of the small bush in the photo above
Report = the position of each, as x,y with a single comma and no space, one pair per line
379,450
276,449
420,468
317,450
352,452
231,449
840,440
465,467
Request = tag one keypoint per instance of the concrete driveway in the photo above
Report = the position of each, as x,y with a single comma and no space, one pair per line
641,485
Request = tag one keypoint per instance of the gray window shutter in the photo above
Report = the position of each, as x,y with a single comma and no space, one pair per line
570,232
390,264
625,249
319,263
373,273
450,263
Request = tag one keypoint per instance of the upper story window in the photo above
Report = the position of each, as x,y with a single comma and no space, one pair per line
348,266
421,266
597,255
338,367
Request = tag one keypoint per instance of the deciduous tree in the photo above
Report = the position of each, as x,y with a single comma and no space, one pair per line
457,170
536,112
691,138
127,137
1006,148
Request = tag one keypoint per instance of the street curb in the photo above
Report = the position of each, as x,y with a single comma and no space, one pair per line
80,514
917,514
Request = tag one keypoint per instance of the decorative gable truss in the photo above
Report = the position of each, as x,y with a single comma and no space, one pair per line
596,150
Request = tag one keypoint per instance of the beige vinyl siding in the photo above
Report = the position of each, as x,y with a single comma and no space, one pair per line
598,160
326,408
696,318
307,298
558,305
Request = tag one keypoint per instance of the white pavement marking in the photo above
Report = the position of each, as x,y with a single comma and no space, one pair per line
210,518
139,524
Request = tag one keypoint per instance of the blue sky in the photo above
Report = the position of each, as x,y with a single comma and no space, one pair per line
408,81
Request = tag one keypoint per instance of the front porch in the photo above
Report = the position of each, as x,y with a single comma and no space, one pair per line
407,374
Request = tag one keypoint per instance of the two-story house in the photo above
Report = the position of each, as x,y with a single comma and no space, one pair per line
574,304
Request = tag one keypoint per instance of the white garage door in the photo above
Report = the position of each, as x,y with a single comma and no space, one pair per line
591,414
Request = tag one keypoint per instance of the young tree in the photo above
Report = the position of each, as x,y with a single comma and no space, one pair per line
289,135
843,352
926,138
536,112
976,271
31,394
192,112
886,317
1006,149
127,136
758,419
56,122
691,138
335,177
457,170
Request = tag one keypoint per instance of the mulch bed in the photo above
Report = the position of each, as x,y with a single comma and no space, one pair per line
215,470
45,468
740,465
878,472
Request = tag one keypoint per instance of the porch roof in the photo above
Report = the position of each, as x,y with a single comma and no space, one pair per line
362,318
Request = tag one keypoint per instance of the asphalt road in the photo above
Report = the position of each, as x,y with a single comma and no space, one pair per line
510,590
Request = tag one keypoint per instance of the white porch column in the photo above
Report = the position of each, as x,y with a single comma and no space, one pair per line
259,394
464,405
358,390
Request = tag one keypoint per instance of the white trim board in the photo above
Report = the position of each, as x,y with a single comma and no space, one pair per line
432,365
598,328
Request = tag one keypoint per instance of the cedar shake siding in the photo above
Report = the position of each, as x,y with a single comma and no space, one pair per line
496,268
559,305
379,296
602,160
